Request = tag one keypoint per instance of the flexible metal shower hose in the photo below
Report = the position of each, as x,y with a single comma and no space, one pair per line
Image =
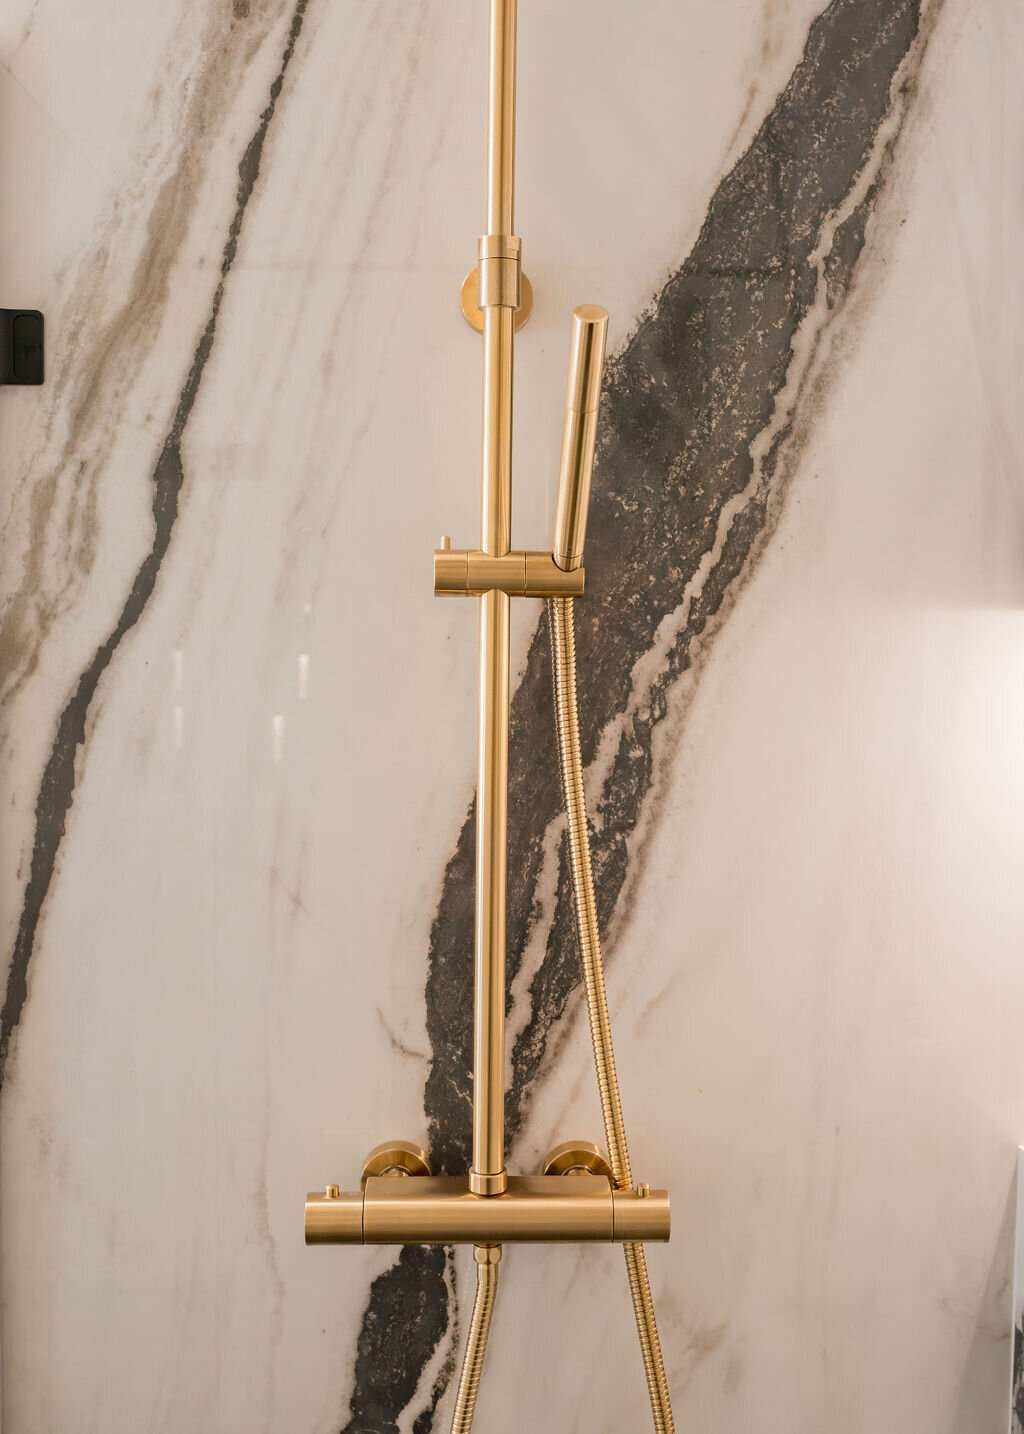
479,1325
563,665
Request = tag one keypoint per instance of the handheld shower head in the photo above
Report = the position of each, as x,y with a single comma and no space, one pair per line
582,397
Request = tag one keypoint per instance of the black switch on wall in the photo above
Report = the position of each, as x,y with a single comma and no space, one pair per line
21,346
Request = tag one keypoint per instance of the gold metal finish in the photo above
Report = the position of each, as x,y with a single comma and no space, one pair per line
498,285
488,1208
487,1260
394,1157
442,1210
487,1185
496,495
473,314
563,663
499,266
579,431
488,1168
563,652
462,573
543,575
501,118
499,246
577,1157
451,571
333,1218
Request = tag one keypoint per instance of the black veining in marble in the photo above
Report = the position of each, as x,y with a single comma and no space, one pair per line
384,1369
709,371
57,789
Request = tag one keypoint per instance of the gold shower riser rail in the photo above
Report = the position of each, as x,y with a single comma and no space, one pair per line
488,1208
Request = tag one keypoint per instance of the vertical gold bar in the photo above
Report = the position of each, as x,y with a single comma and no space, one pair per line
496,496
501,118
487,1175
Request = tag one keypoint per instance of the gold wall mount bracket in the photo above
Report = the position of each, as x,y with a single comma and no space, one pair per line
474,316
576,1157
497,282
395,1157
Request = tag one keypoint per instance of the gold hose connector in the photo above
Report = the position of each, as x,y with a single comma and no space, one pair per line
563,666
487,1260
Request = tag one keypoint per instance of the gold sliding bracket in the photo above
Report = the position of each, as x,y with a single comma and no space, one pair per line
462,573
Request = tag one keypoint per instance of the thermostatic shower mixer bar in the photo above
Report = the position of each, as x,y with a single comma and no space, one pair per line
487,1207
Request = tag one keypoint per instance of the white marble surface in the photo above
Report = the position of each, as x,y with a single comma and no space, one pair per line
818,974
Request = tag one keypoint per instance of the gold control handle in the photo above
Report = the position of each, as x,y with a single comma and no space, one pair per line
582,397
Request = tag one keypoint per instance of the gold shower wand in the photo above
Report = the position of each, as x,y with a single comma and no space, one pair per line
579,433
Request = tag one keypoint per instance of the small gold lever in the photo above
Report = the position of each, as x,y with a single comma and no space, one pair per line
582,397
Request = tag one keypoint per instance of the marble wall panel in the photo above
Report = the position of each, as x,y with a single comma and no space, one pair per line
237,768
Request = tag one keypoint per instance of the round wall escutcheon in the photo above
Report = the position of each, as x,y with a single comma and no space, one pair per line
395,1157
576,1157
474,316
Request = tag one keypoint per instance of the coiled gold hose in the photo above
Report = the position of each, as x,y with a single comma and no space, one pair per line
563,665
487,1260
